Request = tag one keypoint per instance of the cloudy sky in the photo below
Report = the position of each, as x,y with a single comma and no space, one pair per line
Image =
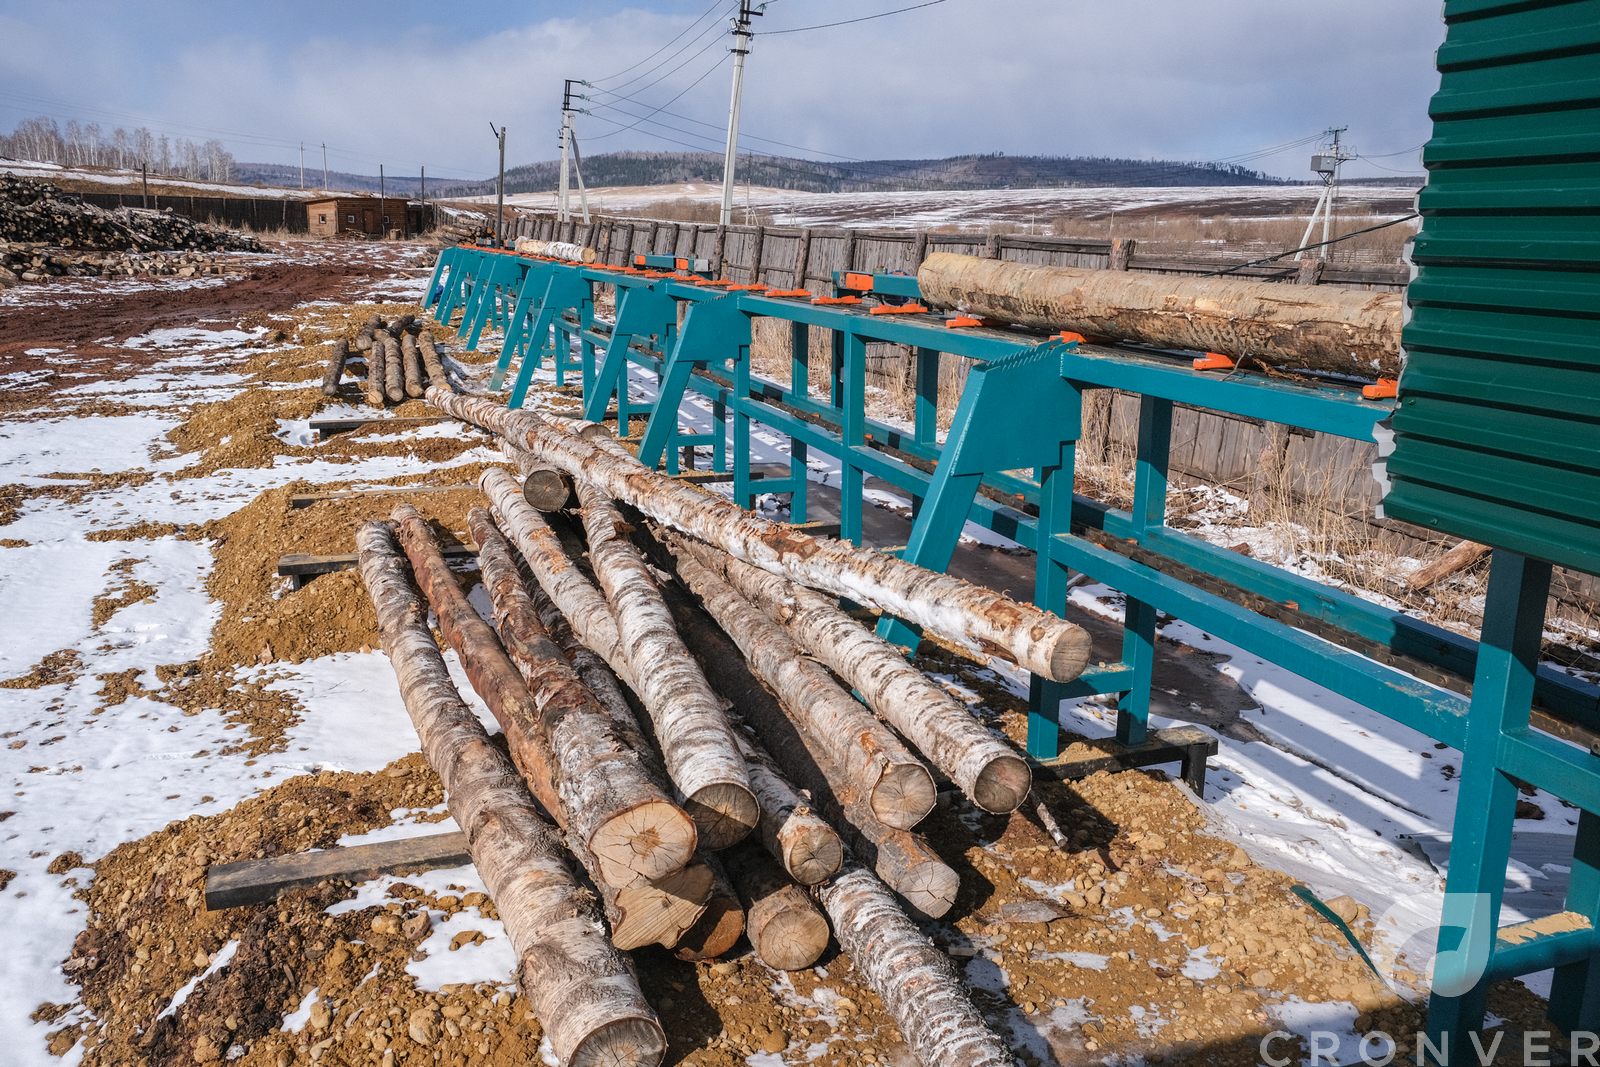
407,83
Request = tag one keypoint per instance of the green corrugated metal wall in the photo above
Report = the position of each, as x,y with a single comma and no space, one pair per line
1497,432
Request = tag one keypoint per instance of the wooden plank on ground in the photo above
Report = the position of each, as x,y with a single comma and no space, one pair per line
301,567
232,885
327,427
1189,745
1458,558
302,500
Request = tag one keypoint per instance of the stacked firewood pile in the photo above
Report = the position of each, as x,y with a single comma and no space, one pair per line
678,709
36,263
401,360
34,211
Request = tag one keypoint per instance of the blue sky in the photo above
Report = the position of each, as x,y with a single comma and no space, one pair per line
409,83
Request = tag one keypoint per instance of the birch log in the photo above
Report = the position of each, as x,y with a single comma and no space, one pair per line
431,361
376,373
805,844
691,724
720,928
394,376
784,926
639,913
638,834
988,770
897,787
579,986
960,611
412,363
1320,327
916,981
901,858
335,371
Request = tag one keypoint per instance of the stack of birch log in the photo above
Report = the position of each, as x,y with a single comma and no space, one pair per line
675,693
401,361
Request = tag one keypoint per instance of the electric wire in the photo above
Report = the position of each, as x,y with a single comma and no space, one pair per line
852,22
716,4
1319,244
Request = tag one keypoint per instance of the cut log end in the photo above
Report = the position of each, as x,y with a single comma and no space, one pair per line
1003,785
812,856
661,912
637,1042
718,930
904,795
1070,656
548,490
793,937
930,890
646,842
724,813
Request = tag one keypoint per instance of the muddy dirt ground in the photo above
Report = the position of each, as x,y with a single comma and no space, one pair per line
1148,939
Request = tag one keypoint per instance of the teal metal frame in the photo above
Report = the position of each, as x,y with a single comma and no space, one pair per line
695,335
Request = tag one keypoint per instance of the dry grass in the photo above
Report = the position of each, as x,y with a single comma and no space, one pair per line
684,209
1232,236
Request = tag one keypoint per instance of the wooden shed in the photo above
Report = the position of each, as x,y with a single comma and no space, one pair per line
369,215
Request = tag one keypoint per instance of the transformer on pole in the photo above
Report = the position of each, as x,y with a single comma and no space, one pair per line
1326,164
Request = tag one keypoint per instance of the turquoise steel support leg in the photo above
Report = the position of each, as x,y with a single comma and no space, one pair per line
565,292
1050,591
715,331
800,359
435,290
926,419
1575,990
836,369
641,312
853,432
1480,846
1139,619
798,480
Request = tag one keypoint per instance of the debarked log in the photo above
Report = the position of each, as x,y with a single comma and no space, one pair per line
1350,331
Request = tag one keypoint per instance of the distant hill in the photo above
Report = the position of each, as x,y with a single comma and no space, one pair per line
288,176
806,175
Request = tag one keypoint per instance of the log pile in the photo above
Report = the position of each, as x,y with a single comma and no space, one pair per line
396,361
36,211
682,711
32,262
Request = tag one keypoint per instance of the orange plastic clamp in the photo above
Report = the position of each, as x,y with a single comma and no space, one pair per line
789,293
751,287
857,281
1069,335
715,283
1213,361
962,322
638,261
836,300
679,263
1386,389
910,308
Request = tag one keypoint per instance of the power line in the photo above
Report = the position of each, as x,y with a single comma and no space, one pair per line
1319,244
703,76
716,4
851,22
713,30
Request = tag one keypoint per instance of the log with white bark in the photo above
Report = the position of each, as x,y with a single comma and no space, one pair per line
567,250
785,928
797,837
915,981
897,787
579,986
639,913
987,769
394,375
720,928
335,371
900,857
376,374
691,723
964,613
634,830
1321,327
807,846
411,360
431,361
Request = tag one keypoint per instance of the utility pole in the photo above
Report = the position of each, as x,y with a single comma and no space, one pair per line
424,184
500,193
563,183
302,164
741,48
382,201
324,164
1326,163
